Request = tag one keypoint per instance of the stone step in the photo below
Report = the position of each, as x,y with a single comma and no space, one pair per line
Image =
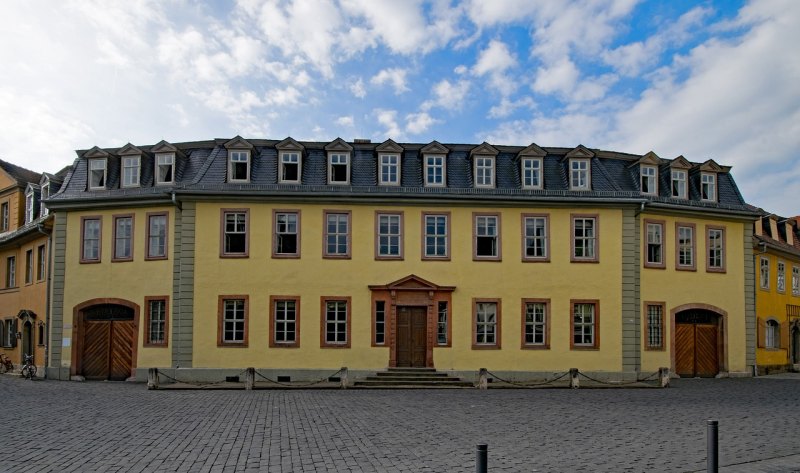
409,379
412,370
430,374
420,384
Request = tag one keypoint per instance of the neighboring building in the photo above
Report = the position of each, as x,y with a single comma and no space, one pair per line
298,258
24,256
777,263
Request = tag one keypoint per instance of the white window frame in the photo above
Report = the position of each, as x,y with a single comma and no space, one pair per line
337,312
586,326
30,199
234,312
588,243
532,173
285,317
44,193
535,240
11,271
708,181
163,160
287,158
487,227
795,281
580,175
434,162
780,280
333,240
649,175
131,171
338,158
388,239
442,322
654,232
484,171
389,162
686,247
772,333
487,314
445,237
764,273
235,156
93,165
287,223
534,310
679,176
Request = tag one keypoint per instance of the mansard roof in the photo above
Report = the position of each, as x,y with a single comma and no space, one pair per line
19,174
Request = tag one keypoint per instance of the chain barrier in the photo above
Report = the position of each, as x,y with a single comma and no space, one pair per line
618,383
526,385
199,385
322,380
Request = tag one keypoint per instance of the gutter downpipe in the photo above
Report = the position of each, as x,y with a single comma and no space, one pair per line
763,246
40,227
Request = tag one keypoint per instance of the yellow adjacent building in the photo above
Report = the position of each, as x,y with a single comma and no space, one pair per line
298,258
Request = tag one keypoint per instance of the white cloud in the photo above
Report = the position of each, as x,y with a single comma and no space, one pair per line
417,123
564,130
448,95
560,77
507,106
461,69
358,89
495,58
388,118
346,121
394,76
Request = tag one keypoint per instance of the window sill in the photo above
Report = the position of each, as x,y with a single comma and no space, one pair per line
580,348
231,345
685,268
485,347
155,345
90,261
285,256
156,258
234,256
343,345
546,346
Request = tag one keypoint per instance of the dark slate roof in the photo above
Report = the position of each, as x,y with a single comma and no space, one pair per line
21,175
201,167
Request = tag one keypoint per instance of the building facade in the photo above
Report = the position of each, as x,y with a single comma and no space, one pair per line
298,258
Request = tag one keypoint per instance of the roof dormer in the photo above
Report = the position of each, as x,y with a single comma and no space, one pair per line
131,164
97,168
31,202
434,160
648,173
708,180
339,158
483,159
239,157
531,162
166,156
389,163
580,168
290,161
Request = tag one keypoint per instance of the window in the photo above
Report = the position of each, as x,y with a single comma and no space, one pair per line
29,267
795,281
654,325
535,243
156,323
532,173
235,238
585,315
435,239
772,334
90,239
708,186
484,171
156,236
781,279
29,210
123,238
97,174
486,237
10,336
45,194
233,320
684,233
11,271
239,166
580,179
679,184
715,237
648,176
764,279
41,334
442,324
486,323
654,245
389,174
434,170
165,168
284,319
130,171
337,235
41,268
287,234
389,235
4,217
584,238
289,171
379,323
338,168
335,322
535,323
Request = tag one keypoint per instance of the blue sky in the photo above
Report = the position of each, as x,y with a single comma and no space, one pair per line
712,79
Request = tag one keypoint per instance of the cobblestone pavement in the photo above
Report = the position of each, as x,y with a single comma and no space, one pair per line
65,426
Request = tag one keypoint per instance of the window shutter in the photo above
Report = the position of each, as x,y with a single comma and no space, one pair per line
784,335
761,332
13,334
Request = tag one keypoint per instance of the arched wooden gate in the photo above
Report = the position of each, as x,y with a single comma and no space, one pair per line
698,342
105,337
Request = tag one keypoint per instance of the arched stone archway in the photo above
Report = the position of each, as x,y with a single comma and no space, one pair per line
699,340
105,339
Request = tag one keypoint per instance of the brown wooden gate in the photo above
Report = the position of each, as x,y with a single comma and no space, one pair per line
109,334
696,350
411,331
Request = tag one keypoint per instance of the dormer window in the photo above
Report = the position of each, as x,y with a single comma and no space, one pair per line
30,200
97,173
648,176
580,177
679,184
165,168
239,166
532,173
131,170
289,171
338,168
434,170
44,194
389,172
708,186
484,171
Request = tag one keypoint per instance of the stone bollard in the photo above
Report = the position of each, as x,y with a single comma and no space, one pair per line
663,376
481,458
483,378
712,446
250,379
574,383
152,378
343,377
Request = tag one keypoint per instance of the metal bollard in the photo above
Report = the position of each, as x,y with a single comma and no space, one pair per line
343,378
481,458
574,383
483,378
250,379
663,376
712,459
152,378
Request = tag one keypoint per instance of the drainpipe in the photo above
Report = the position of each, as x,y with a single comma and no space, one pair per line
757,269
41,229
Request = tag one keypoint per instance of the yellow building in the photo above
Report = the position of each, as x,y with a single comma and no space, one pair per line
298,258
777,263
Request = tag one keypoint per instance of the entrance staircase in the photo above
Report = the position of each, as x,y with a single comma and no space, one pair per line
417,378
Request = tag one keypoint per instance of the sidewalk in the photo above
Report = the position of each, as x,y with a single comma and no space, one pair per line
788,464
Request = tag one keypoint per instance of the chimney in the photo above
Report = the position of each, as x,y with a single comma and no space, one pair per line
362,140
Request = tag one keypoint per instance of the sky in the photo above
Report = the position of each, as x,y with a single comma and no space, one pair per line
702,79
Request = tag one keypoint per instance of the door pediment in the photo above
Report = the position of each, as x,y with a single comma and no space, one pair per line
412,282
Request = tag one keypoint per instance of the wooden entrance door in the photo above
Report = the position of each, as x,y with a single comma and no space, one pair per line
411,331
696,351
109,334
